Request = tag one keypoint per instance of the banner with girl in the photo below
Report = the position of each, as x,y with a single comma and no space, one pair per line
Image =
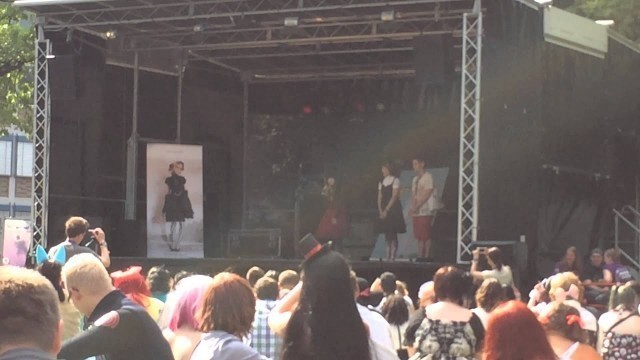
174,201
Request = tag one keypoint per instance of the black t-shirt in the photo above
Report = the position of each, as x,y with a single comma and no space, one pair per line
118,329
593,273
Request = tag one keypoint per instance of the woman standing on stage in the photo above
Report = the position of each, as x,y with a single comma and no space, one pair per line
177,206
333,226
390,218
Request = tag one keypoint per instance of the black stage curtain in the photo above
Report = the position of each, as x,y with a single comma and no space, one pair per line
573,211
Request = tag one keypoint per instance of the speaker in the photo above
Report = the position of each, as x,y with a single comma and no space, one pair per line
255,243
431,55
62,77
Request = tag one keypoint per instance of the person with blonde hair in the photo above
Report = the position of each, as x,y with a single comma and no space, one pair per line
30,324
566,287
489,295
116,327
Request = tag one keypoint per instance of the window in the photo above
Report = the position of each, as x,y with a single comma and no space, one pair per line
5,157
25,159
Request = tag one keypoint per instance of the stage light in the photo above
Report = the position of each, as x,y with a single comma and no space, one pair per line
199,28
291,21
307,110
319,19
389,15
51,56
544,2
380,107
605,22
111,34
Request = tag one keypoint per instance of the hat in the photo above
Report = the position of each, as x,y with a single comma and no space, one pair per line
128,274
310,247
596,251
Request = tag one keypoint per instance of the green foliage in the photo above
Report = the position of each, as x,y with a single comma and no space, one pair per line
16,68
626,14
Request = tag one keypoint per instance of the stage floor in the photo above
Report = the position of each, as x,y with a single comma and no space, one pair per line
413,273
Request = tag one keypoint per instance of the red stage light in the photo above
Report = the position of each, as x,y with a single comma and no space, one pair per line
307,110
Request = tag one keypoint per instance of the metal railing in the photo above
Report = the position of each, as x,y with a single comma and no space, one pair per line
630,249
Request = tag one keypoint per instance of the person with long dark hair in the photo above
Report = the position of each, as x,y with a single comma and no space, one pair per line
570,262
319,318
396,313
177,206
70,315
390,220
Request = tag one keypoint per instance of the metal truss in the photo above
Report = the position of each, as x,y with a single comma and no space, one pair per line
469,132
155,12
246,36
41,132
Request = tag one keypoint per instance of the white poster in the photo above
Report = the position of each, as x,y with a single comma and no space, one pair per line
174,201
407,244
16,241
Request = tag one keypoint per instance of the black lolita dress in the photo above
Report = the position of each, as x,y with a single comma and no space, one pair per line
394,222
177,206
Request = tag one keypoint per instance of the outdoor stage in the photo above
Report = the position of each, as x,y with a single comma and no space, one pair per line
413,273
280,92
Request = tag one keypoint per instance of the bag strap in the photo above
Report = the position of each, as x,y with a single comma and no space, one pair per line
399,347
635,313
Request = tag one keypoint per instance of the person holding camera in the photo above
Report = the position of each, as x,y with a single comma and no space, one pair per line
498,271
76,228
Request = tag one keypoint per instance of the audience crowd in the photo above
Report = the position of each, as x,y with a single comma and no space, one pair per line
79,310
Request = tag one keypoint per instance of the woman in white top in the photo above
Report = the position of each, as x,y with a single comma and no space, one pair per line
498,271
566,334
390,220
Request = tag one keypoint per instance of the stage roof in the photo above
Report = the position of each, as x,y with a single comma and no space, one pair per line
266,40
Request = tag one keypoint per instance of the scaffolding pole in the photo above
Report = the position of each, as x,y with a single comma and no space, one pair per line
245,148
181,64
41,142
132,148
469,132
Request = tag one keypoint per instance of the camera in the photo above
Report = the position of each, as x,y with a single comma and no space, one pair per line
482,249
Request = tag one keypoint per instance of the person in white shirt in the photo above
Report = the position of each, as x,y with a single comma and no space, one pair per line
424,204
379,328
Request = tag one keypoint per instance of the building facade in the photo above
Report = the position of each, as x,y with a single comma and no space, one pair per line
16,168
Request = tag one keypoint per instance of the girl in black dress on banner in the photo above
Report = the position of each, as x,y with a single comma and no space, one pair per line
177,206
390,220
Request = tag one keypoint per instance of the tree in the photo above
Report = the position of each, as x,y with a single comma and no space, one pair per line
625,13
16,68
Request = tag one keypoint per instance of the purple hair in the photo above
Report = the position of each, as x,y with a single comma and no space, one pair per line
182,306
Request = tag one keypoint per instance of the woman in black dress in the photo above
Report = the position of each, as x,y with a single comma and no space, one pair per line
390,218
177,206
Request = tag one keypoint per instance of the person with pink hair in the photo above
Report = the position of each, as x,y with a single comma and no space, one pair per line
179,319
